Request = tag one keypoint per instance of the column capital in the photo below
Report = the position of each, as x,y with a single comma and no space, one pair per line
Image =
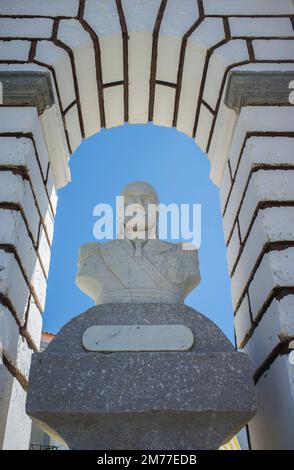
27,88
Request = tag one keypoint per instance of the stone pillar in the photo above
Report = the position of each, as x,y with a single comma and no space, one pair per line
27,208
257,201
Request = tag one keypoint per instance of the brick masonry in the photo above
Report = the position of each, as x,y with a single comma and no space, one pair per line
167,62
27,208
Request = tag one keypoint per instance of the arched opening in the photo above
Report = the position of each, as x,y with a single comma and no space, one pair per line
160,62
180,173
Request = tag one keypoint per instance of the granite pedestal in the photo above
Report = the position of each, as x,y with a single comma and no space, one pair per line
195,399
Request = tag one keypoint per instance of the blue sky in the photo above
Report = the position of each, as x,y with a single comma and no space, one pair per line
100,168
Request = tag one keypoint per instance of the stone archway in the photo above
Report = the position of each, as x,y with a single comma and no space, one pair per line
218,71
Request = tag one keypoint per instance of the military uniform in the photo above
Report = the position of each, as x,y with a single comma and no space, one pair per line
137,271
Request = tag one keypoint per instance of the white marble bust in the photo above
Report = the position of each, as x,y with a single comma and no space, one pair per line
137,269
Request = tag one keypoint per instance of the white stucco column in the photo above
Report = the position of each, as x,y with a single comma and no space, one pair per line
257,200
27,208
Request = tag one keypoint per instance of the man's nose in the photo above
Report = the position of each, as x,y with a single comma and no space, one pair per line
139,201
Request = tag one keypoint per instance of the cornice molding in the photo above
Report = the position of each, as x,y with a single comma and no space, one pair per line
25,88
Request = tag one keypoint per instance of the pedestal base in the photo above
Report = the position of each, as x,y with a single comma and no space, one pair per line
196,399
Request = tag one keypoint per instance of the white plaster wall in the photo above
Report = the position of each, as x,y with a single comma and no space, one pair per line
18,424
271,429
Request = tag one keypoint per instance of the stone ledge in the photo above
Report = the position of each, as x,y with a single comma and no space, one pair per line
26,88
258,89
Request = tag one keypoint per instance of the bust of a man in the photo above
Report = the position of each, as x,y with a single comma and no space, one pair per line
136,268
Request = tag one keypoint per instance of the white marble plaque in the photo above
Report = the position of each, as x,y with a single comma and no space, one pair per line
102,338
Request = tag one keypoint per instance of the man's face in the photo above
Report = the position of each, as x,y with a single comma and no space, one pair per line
136,205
